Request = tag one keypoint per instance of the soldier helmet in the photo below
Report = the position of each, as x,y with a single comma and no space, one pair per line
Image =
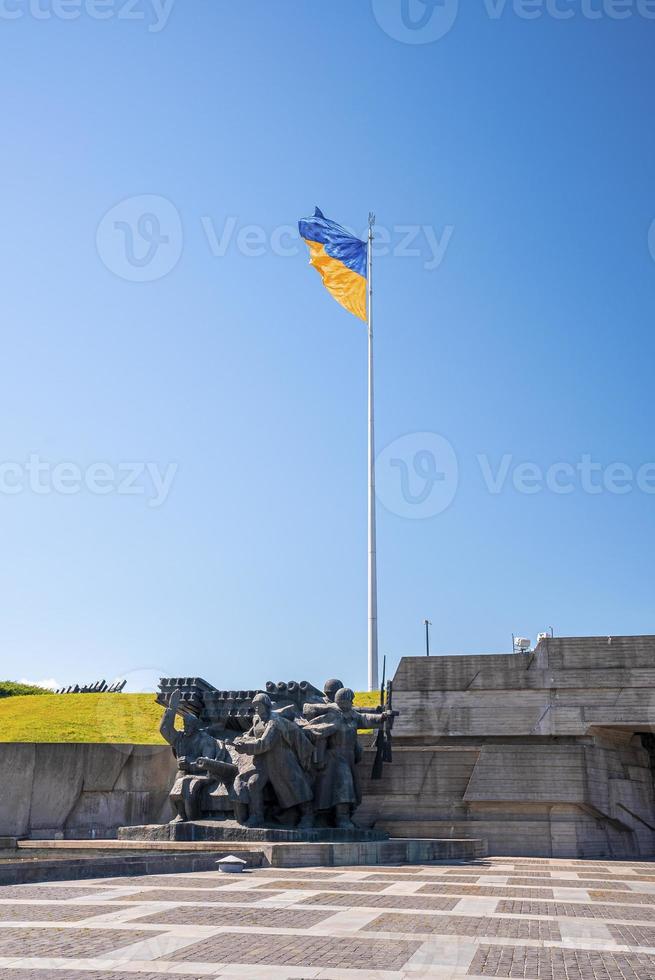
262,699
331,687
344,694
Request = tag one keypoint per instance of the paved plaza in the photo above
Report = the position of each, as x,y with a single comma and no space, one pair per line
498,917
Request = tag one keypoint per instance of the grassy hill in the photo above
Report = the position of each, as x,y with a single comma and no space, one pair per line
91,718
81,718
11,689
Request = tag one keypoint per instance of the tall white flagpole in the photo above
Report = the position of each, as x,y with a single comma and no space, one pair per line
372,556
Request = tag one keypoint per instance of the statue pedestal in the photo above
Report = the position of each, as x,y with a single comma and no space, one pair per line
282,848
63,860
230,831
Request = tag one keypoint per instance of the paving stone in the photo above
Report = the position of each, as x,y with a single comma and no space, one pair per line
197,895
572,883
472,872
546,865
465,925
636,877
262,918
60,912
527,860
288,874
543,875
170,881
610,896
325,872
426,879
418,902
538,963
490,890
67,942
334,886
49,893
47,974
452,879
607,876
319,951
405,871
632,935
576,910
575,866
390,878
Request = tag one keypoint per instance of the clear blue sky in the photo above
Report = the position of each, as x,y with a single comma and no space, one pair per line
529,143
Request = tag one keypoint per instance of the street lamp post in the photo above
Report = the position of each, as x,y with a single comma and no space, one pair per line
427,624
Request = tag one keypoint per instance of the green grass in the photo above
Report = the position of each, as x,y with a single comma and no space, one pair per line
367,699
81,718
12,689
91,718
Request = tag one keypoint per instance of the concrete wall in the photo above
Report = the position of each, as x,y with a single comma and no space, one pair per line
544,754
76,790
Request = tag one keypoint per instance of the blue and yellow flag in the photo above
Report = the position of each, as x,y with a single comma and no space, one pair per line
340,259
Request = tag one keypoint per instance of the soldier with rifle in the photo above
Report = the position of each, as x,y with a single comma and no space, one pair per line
383,751
337,788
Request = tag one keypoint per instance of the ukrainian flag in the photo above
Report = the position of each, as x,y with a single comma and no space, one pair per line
340,259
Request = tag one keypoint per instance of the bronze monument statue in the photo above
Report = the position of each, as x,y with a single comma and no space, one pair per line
285,759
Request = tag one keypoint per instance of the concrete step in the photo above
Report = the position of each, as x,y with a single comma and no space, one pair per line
70,860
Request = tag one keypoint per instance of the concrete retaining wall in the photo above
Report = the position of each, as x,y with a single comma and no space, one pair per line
548,754
82,790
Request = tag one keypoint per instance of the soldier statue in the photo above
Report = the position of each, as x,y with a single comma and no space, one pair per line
291,764
337,789
204,766
278,757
